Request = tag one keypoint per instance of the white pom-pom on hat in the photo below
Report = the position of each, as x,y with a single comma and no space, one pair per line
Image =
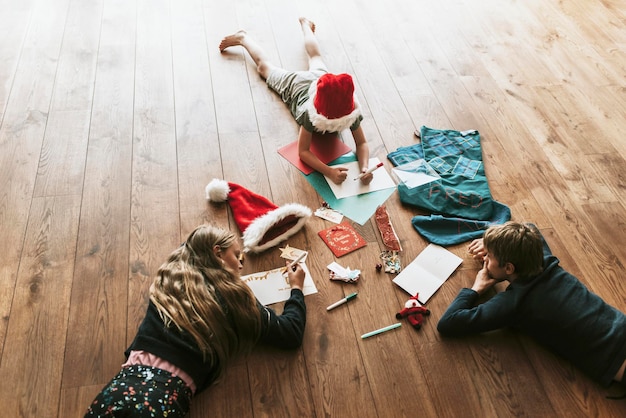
217,190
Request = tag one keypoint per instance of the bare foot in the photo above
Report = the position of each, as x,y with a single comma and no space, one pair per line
233,40
304,21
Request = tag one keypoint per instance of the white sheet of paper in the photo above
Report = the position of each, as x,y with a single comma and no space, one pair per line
412,180
350,187
272,286
415,173
430,269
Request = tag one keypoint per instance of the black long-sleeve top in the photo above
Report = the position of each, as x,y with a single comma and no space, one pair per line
554,308
169,343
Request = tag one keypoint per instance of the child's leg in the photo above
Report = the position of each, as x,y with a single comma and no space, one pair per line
257,53
311,45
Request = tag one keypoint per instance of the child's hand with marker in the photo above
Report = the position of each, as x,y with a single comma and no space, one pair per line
296,275
367,175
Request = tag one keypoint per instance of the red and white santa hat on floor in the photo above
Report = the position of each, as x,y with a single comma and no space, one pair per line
262,223
332,105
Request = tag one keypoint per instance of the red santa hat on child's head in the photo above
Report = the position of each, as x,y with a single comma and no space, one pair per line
262,223
332,106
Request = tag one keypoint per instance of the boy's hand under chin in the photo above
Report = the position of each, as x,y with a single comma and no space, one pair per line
483,281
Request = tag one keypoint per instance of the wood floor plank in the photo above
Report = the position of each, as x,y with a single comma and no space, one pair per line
154,215
36,334
604,26
114,115
20,143
20,140
74,401
14,26
73,87
101,274
22,133
36,71
220,399
276,376
610,218
388,125
611,167
605,106
197,142
62,163
60,173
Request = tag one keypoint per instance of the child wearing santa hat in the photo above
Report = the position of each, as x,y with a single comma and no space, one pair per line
319,101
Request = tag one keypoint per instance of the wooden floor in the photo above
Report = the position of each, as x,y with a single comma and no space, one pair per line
116,113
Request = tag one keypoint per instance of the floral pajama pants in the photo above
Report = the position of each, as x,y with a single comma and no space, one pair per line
142,391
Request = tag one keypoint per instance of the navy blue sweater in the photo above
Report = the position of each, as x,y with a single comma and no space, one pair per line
554,308
282,331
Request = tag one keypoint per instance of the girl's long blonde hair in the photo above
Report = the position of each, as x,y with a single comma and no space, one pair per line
195,292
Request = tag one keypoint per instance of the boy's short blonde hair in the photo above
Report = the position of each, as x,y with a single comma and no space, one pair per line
517,243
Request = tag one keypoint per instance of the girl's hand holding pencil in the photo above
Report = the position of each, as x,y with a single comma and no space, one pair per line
293,263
